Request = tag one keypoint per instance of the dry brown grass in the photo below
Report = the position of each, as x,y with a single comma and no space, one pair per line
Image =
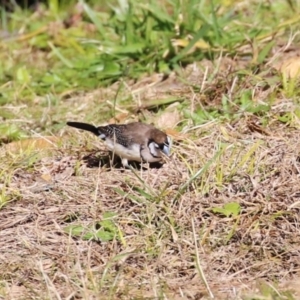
161,236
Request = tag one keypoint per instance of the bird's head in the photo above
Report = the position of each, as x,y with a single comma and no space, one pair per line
159,143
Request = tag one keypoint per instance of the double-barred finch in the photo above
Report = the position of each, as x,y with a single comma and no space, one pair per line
131,142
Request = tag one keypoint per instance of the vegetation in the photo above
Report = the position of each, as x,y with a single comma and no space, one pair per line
219,219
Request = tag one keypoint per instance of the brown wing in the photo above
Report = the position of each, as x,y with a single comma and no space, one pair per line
127,134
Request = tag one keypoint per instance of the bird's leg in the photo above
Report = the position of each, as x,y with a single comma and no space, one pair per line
125,163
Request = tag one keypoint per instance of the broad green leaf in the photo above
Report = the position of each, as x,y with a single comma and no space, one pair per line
107,231
105,236
232,208
23,75
74,230
110,69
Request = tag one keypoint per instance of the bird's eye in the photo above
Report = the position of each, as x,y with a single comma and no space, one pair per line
160,146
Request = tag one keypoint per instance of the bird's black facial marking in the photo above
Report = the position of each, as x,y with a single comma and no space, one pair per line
156,145
166,143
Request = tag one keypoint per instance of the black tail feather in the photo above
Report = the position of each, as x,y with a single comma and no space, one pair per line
84,126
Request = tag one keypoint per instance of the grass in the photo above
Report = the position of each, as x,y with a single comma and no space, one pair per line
219,219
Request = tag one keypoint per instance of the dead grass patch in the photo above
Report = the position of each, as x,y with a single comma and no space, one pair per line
167,228
154,254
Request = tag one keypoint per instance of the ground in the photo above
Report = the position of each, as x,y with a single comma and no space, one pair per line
168,231
217,219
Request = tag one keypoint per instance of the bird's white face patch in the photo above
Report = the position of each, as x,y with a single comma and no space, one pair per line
154,151
102,136
148,156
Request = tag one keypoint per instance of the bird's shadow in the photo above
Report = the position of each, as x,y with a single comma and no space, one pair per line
110,161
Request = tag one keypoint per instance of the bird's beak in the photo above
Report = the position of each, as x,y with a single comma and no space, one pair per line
166,150
167,147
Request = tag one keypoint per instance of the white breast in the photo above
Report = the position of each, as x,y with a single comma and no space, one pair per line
132,153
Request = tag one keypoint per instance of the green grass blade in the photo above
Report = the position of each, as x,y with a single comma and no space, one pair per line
199,173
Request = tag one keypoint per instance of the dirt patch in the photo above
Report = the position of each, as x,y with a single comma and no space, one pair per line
156,252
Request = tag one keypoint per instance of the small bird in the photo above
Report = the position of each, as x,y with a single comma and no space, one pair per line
131,142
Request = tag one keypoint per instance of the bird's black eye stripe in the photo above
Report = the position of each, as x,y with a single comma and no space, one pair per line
160,146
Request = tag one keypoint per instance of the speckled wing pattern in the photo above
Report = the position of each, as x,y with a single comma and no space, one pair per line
127,134
116,133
